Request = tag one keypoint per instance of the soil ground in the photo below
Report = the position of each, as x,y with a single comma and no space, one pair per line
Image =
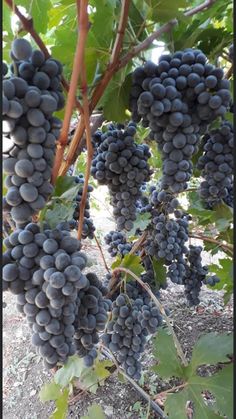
24,375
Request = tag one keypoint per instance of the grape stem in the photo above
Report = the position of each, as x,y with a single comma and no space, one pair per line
160,307
226,247
101,252
138,243
77,68
89,145
229,72
29,27
154,405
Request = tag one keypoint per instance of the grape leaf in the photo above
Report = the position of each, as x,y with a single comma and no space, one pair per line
164,10
50,391
211,348
159,271
141,223
133,263
57,212
63,183
72,368
38,11
164,349
100,368
225,272
61,406
94,411
115,100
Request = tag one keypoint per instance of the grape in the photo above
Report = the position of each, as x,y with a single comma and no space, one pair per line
21,49
57,280
30,250
28,192
32,98
41,80
35,117
21,213
217,174
43,318
24,168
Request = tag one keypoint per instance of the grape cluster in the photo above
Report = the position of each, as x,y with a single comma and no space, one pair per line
88,226
216,165
134,317
44,269
196,275
168,235
91,318
121,164
118,244
177,99
31,93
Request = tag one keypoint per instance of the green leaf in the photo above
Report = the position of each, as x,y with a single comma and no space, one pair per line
100,368
222,216
164,10
59,211
225,272
50,391
61,406
94,411
159,271
133,263
63,183
141,223
164,350
38,11
211,349
6,22
175,405
73,368
115,100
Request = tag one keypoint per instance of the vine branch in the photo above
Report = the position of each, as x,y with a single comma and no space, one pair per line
226,247
154,405
160,307
121,31
89,148
101,252
77,65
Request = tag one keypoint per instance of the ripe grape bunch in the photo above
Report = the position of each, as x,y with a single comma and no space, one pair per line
121,164
44,268
177,99
168,235
31,93
216,165
134,317
196,275
118,244
88,226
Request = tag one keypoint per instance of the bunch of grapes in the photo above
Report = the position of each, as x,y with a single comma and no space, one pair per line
196,275
177,99
91,318
88,226
45,270
31,93
121,164
216,165
118,244
168,235
134,317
